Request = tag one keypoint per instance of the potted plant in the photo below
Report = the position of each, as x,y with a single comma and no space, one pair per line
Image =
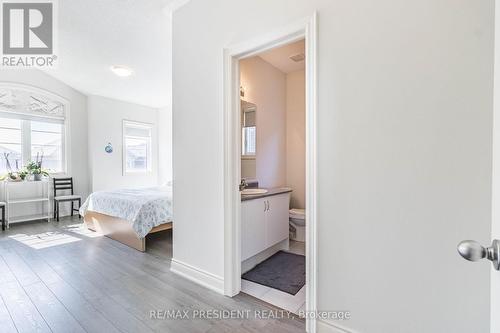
35,168
22,174
13,177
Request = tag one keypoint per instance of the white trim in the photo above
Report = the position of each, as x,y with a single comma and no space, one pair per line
206,279
495,180
67,141
26,142
173,6
305,28
311,170
324,326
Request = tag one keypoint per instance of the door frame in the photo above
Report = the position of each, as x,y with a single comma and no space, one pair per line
304,28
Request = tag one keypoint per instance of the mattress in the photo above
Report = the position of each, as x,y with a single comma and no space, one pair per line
144,208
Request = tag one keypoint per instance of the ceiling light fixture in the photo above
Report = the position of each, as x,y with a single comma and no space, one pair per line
298,57
122,71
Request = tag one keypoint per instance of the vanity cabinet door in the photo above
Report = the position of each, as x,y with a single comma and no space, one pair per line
277,219
253,227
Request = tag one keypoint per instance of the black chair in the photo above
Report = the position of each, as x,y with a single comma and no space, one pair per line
64,184
2,207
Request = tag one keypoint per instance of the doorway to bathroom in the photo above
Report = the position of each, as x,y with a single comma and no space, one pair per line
270,168
272,188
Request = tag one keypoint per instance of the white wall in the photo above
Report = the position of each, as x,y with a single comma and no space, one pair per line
404,149
106,125
265,86
165,173
296,137
164,145
249,168
77,136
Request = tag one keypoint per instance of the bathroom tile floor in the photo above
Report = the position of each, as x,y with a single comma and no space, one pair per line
292,303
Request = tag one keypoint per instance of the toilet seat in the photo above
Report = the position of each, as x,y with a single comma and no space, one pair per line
297,216
297,213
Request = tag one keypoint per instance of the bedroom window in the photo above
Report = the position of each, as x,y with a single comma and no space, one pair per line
137,156
10,143
22,138
46,141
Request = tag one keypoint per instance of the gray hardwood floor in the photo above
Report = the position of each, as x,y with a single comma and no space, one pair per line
58,277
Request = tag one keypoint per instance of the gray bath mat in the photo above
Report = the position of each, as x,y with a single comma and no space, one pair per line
283,271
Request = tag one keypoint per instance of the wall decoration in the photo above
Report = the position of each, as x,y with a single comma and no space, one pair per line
108,148
23,100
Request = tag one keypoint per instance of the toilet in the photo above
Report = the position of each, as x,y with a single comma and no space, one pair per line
297,218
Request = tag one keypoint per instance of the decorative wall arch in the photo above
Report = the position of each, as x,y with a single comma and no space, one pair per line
32,101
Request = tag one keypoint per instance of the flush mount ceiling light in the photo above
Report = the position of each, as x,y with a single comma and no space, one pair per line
122,71
298,57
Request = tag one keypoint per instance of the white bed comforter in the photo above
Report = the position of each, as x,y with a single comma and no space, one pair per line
144,208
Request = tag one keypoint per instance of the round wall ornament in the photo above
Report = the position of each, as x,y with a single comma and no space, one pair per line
108,148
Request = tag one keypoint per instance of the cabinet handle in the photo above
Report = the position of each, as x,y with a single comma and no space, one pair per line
265,206
268,206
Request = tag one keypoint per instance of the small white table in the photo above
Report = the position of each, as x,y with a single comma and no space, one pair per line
27,201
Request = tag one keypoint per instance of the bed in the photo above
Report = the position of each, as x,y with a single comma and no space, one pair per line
128,215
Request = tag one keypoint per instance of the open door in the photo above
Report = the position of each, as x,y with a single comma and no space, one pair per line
495,216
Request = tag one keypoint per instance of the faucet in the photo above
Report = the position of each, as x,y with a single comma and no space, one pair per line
243,184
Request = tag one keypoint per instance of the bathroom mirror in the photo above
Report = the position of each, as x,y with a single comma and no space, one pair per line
248,139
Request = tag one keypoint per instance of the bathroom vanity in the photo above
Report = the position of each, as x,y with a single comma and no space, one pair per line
264,221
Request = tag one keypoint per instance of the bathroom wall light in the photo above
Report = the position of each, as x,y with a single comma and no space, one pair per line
122,71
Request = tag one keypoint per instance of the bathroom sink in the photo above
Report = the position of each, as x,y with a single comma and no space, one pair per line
253,191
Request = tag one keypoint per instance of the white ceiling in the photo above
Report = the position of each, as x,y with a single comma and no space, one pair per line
280,57
95,34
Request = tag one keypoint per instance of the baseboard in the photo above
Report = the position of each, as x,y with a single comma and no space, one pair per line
323,326
201,277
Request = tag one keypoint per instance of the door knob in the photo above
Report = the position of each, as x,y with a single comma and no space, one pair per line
473,251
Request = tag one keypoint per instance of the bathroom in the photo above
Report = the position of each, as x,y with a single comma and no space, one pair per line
273,193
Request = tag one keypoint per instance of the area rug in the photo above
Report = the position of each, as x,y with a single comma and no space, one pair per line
283,271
